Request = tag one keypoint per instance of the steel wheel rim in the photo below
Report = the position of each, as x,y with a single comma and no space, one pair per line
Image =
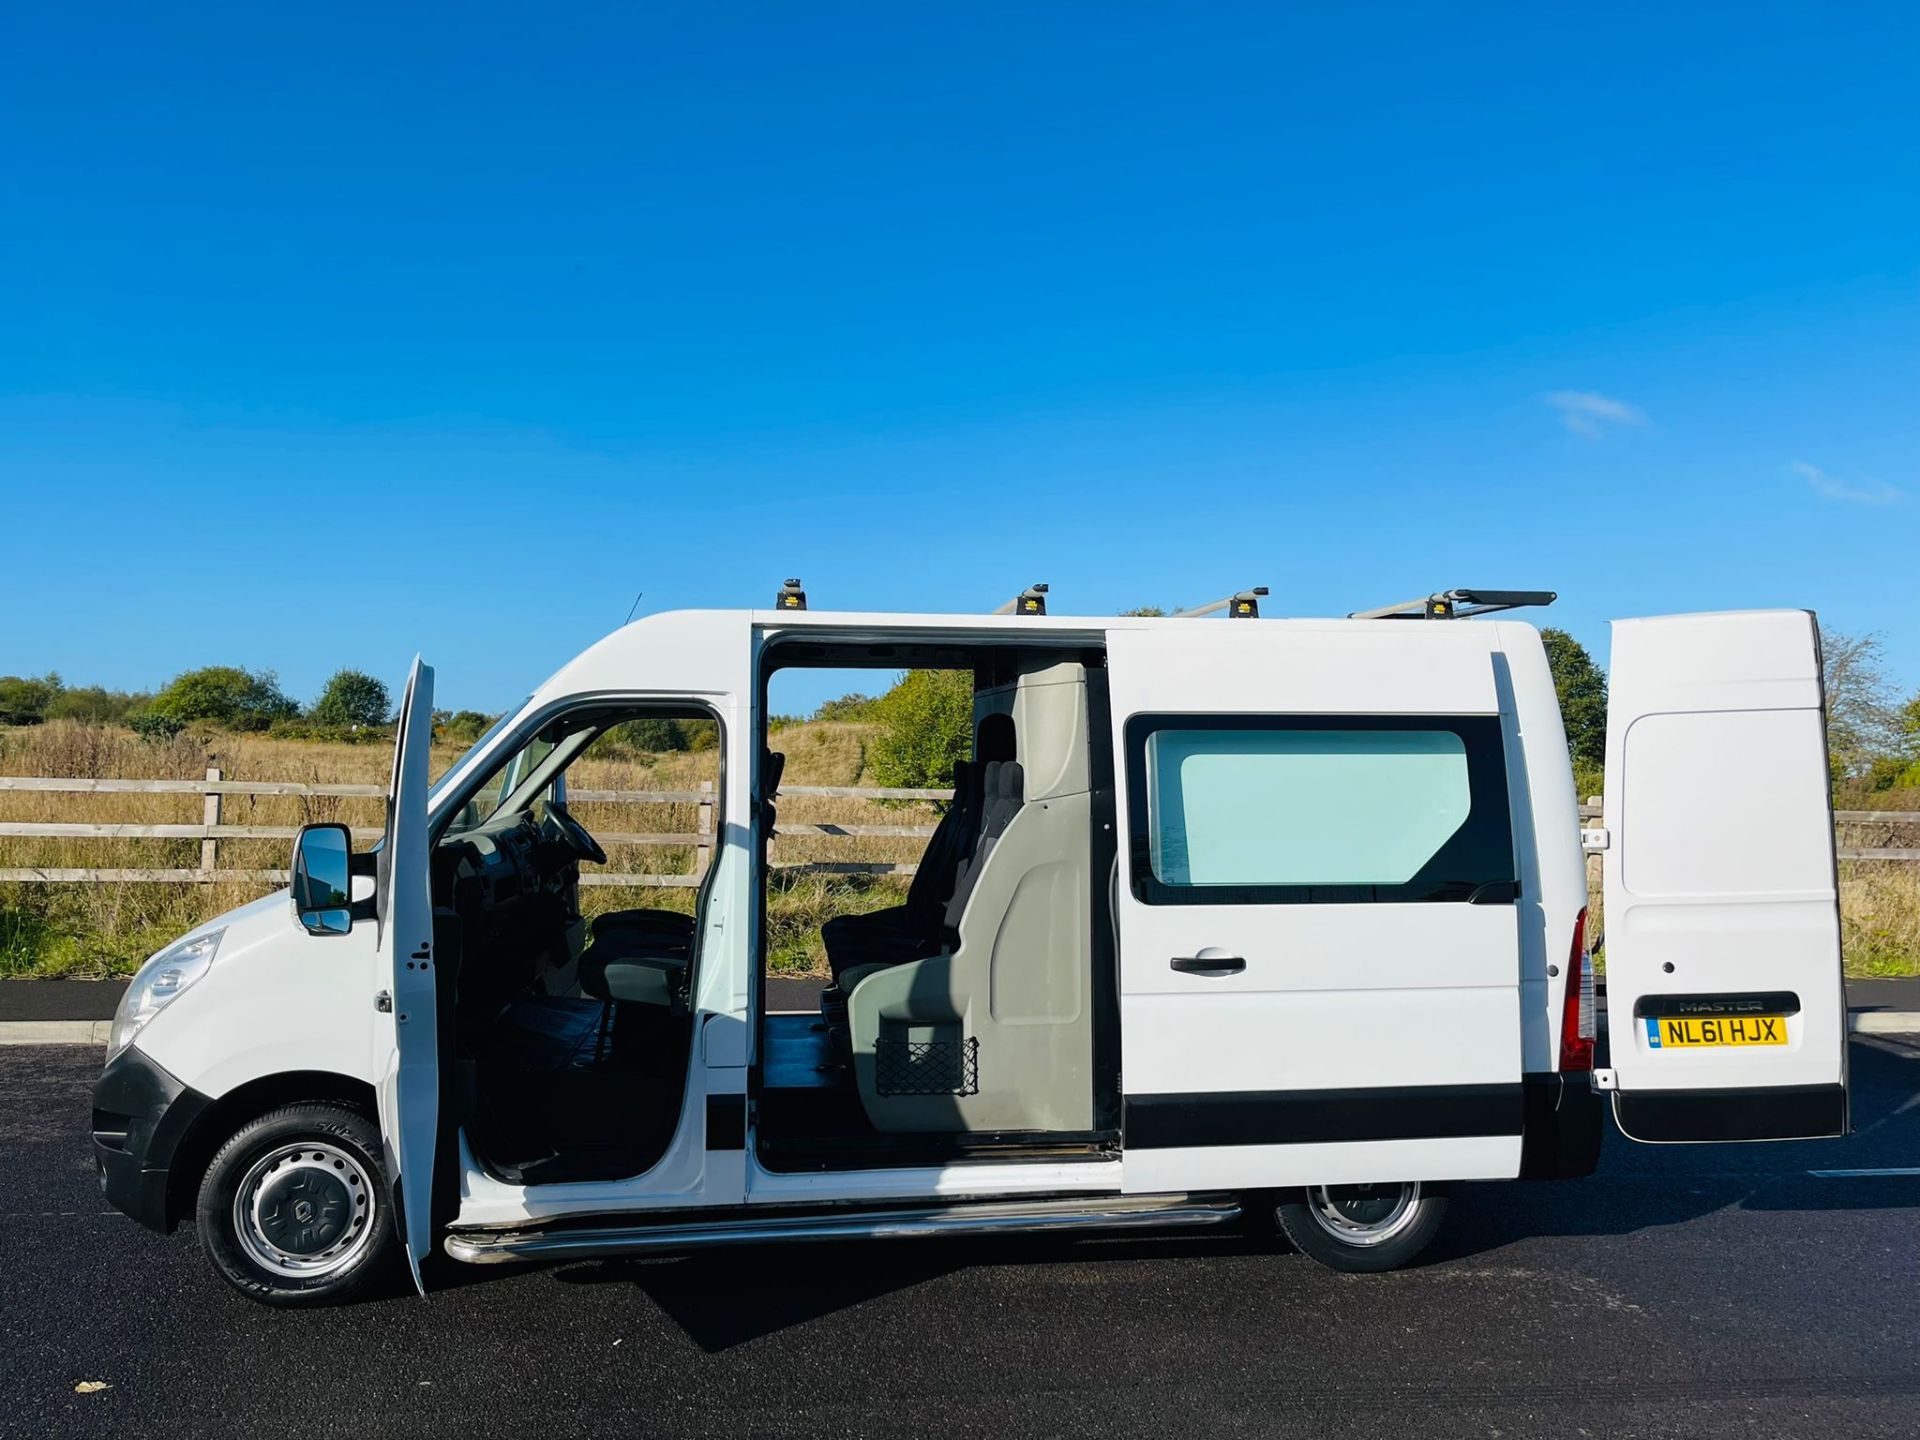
305,1211
1364,1215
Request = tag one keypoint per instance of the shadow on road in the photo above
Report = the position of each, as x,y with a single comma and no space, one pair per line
724,1298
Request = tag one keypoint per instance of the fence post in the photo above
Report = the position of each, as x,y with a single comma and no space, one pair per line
703,824
210,815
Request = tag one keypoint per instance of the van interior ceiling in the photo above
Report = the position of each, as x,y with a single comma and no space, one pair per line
977,1018
572,1036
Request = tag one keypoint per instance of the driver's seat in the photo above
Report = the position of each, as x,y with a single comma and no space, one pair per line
658,930
626,975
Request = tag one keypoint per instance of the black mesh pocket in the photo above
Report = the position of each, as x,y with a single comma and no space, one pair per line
926,1067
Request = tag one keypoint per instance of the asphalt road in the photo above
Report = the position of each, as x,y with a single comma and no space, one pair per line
1683,1291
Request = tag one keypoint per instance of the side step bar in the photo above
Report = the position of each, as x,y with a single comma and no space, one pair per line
497,1247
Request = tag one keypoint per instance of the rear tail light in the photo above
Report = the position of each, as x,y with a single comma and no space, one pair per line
1577,1014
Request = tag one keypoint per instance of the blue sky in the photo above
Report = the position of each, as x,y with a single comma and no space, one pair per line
332,335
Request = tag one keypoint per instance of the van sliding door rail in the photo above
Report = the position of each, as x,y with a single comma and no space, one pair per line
494,1247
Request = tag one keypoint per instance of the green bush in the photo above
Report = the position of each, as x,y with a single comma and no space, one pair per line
157,728
852,706
225,695
927,724
462,727
25,701
649,735
95,704
352,697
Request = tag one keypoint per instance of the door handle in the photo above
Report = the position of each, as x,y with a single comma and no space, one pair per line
1210,961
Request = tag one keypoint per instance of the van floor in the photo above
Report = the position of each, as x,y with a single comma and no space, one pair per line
566,1090
810,1116
806,1095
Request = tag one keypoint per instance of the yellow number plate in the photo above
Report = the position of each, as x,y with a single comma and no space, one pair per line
1670,1032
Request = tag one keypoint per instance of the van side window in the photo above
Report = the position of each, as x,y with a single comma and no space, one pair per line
1318,809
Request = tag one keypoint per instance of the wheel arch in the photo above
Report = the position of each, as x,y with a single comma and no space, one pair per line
223,1117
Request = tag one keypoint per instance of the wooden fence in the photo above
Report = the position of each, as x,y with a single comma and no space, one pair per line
211,830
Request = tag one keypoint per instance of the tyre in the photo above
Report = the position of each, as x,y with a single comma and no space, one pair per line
295,1209
1365,1228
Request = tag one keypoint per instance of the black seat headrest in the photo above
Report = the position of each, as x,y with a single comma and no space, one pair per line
773,764
996,739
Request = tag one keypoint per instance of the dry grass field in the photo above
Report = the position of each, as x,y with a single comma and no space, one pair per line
103,929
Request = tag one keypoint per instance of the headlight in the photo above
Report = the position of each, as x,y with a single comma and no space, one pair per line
159,981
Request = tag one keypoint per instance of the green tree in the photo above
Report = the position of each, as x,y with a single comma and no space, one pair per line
1900,770
224,695
1144,612
95,703
352,697
1863,718
1582,688
927,724
25,701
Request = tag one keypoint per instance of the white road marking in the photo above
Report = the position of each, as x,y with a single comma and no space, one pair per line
1908,1170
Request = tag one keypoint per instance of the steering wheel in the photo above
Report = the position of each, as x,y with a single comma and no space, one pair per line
574,835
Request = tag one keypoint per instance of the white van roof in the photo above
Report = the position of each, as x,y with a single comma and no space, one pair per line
709,642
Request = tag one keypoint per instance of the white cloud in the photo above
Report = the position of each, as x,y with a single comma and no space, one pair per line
1589,414
1870,492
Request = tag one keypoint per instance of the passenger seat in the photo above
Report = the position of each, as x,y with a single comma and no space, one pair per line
902,931
926,923
994,1033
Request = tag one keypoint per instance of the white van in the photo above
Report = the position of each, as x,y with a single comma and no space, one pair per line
1225,914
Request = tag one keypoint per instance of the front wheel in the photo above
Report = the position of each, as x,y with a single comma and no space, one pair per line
295,1209
1366,1228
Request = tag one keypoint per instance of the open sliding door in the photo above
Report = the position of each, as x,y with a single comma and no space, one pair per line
1317,907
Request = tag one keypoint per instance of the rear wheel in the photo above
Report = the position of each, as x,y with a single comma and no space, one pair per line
295,1209
1365,1228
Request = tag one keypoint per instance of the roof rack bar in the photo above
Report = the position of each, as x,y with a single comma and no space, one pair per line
1457,604
1242,605
1030,601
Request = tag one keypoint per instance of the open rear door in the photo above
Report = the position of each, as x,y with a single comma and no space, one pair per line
409,1092
1727,1014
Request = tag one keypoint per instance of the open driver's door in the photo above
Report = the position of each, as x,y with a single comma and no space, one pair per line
406,1009
1726,1009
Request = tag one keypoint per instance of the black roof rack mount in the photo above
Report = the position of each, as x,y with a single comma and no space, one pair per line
1241,605
1030,601
1457,604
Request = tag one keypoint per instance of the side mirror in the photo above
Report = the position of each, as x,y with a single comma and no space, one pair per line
322,879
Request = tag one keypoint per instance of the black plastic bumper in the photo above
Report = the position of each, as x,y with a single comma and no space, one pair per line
140,1115
1563,1124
